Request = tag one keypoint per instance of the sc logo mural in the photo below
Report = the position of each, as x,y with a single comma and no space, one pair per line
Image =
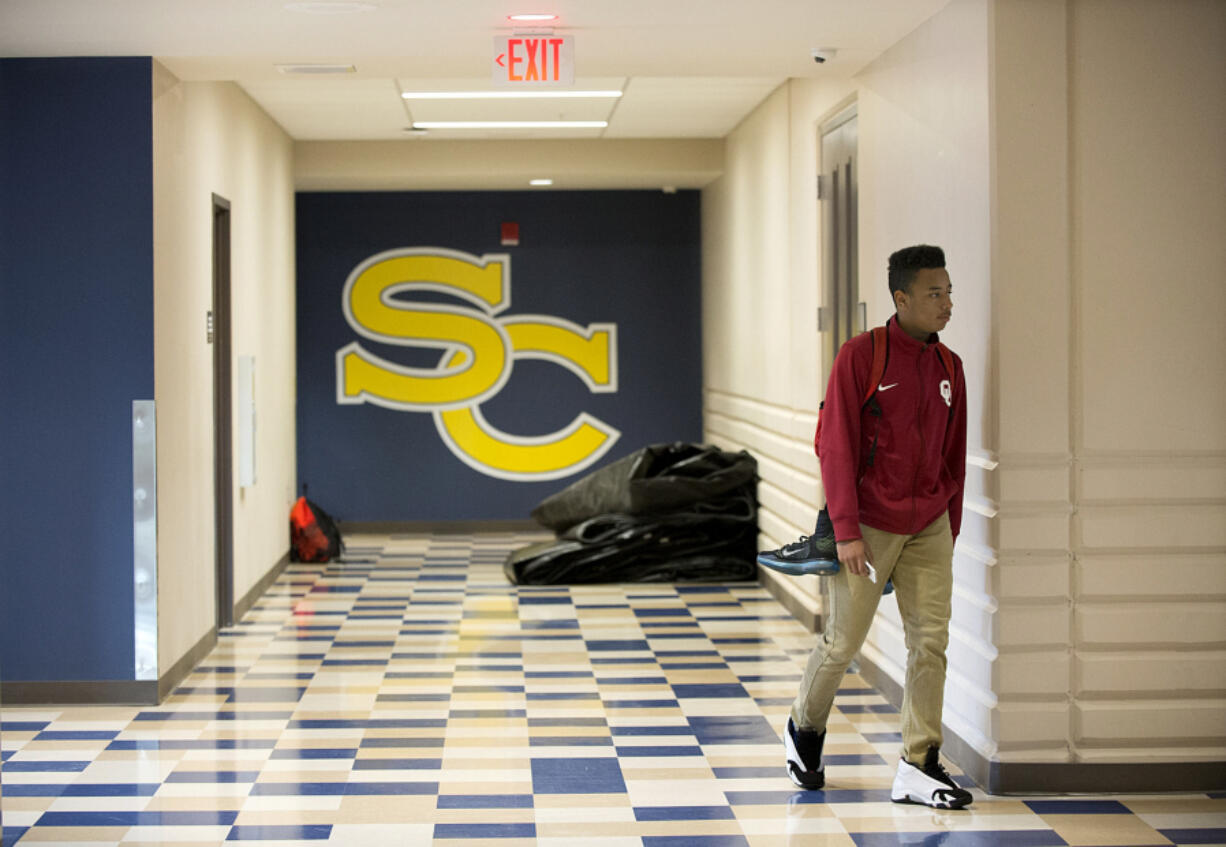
477,347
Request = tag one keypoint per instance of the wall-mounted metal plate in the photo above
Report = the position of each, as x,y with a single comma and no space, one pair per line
145,538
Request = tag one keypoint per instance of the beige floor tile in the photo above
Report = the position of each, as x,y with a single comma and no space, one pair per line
1103,829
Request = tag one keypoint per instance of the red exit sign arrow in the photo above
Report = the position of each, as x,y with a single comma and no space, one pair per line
534,61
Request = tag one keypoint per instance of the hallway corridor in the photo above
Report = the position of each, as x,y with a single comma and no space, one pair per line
411,696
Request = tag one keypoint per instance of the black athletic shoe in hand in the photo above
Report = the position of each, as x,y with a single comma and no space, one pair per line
812,554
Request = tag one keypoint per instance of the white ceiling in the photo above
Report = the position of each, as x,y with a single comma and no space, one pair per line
689,68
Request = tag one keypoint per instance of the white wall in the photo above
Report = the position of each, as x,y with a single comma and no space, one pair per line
1069,156
1112,476
210,138
761,283
1148,536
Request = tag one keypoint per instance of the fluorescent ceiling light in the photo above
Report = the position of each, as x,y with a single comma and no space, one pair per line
500,95
329,7
540,182
510,124
316,68
532,18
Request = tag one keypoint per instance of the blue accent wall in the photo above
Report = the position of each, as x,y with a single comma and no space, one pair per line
76,328
627,257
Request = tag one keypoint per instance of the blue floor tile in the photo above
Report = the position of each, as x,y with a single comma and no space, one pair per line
207,777
733,729
397,764
569,741
694,841
75,735
608,645
280,832
484,830
640,704
577,776
106,789
1195,836
631,731
994,838
632,752
193,744
104,819
369,723
485,801
14,766
683,813
725,689
1078,807
382,742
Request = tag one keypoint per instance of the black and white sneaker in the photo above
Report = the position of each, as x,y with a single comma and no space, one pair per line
804,749
812,554
930,785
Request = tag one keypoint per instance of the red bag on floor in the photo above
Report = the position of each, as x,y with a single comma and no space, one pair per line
313,536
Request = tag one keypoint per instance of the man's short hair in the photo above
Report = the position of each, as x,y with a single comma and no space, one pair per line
905,263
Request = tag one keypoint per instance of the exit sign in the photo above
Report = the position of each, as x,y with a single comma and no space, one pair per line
534,61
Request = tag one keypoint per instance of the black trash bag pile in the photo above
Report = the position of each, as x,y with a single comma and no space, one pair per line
667,513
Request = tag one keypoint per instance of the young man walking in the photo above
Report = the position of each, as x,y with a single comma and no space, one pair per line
893,470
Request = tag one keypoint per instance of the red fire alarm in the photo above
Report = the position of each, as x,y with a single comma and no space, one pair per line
510,235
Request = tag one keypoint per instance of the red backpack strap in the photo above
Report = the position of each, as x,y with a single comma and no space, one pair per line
881,357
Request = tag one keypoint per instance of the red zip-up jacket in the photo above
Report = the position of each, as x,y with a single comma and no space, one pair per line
917,443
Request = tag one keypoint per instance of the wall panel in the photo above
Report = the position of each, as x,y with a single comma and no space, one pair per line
211,138
76,338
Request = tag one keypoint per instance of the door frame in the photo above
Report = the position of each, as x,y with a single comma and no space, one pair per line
223,425
841,315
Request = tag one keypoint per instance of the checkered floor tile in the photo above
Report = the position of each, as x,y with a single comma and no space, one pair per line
411,695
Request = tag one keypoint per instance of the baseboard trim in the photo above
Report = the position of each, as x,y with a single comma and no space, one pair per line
243,606
178,672
1059,777
444,527
124,692
89,692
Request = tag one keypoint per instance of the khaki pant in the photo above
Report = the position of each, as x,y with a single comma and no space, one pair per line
921,567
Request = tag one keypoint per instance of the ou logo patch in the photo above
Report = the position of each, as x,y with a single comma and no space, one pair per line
947,392
477,347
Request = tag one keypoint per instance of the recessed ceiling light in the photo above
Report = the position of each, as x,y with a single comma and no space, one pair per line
540,182
509,95
534,18
316,68
510,124
329,7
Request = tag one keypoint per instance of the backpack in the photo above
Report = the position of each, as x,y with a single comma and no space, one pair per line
313,536
881,358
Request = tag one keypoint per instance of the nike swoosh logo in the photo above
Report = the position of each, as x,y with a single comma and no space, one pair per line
881,387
